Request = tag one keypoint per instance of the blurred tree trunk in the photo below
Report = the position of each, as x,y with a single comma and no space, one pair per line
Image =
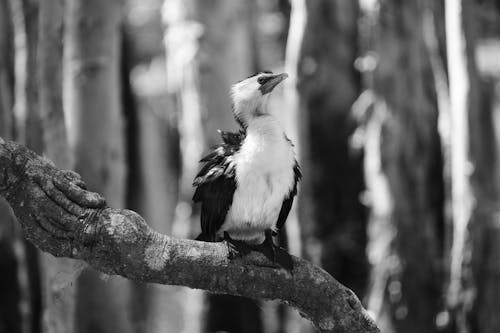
474,285
203,61
95,134
403,164
321,57
10,314
57,273
153,162
461,92
33,125
27,130
50,53
480,293
6,71
484,116
157,308
27,121
321,50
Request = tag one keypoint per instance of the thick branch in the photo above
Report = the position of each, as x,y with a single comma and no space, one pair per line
62,218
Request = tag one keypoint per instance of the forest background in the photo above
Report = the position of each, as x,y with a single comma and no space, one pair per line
393,107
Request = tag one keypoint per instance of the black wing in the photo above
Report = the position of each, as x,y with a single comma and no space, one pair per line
287,203
215,185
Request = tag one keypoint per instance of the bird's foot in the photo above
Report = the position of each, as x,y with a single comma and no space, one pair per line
236,248
274,253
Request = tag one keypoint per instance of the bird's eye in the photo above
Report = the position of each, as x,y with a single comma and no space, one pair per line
262,79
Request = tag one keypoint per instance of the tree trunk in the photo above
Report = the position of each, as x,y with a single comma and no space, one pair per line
33,123
50,53
484,112
203,61
403,166
323,84
95,134
480,269
153,162
157,308
473,292
57,274
327,85
6,72
10,312
26,129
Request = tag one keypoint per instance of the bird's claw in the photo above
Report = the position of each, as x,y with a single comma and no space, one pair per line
284,259
236,249
271,251
275,253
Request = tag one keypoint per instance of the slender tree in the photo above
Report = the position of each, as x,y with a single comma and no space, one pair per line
27,129
6,72
482,280
152,159
57,274
403,166
473,290
95,134
321,58
10,312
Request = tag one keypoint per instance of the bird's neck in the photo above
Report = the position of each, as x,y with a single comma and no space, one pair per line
265,147
265,127
247,111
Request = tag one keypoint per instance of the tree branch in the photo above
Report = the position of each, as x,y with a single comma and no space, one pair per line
60,217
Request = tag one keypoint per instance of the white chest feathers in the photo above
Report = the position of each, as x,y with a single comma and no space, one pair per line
264,175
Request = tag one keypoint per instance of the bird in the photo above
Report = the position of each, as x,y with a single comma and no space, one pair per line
247,184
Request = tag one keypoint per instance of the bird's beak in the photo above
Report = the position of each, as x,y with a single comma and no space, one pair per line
272,82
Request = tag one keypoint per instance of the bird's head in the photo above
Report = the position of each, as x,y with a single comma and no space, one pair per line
250,95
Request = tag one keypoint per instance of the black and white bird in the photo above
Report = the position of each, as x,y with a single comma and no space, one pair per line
247,184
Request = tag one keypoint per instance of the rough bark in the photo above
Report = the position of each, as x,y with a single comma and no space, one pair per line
63,219
327,85
93,116
403,166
